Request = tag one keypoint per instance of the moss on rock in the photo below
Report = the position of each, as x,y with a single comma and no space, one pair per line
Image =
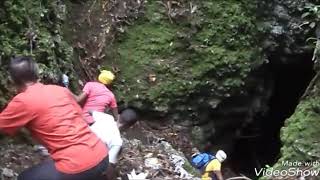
209,48
300,135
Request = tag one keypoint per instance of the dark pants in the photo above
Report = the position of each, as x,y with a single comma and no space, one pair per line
47,171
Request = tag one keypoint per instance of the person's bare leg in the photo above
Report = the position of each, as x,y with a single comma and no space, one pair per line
113,158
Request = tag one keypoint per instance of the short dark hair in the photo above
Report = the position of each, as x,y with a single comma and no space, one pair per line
128,117
23,69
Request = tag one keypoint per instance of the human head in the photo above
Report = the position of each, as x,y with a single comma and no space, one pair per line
23,70
106,77
221,156
128,117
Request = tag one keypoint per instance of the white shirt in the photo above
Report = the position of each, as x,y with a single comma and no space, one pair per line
105,127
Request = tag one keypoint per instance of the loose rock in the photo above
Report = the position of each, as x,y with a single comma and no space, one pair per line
7,172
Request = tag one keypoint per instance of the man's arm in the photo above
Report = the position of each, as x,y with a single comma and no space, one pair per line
214,169
115,113
14,117
114,107
81,99
218,174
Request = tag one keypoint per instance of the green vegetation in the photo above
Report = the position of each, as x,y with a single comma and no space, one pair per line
209,51
33,28
176,58
300,135
311,15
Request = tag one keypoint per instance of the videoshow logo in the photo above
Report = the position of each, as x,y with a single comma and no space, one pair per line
295,169
293,172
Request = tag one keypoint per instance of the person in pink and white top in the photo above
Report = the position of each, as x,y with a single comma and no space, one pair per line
96,96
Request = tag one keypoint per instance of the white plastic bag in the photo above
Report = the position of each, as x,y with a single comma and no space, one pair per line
134,176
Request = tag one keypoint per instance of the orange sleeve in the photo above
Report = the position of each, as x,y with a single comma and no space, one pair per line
14,117
72,101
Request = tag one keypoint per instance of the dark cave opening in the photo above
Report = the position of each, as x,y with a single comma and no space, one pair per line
290,81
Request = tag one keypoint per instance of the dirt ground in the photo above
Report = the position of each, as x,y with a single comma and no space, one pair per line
15,157
141,142
18,154
149,139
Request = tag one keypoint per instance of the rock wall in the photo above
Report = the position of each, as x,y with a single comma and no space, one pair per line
288,24
300,133
206,62
184,56
293,26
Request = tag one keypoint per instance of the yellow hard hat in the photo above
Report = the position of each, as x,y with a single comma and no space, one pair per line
106,77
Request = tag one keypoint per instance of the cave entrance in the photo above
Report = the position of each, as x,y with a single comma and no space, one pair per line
290,82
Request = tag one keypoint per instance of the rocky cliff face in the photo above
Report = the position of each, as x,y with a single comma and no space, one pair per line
193,61
231,68
291,42
289,24
186,56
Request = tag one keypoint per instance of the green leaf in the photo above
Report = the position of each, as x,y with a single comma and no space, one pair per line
305,14
312,25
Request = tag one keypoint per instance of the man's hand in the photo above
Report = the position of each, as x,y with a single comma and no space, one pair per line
81,99
218,174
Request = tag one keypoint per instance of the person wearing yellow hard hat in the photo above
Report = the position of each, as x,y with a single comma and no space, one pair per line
106,77
96,96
